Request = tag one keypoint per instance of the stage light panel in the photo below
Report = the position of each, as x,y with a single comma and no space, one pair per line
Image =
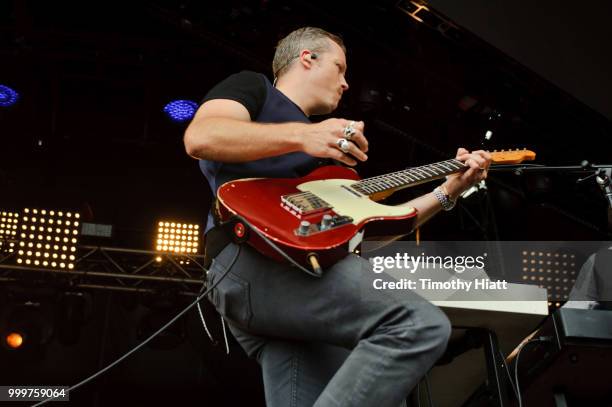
8,230
48,238
176,237
555,271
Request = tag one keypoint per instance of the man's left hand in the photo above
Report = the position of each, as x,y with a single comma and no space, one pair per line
478,163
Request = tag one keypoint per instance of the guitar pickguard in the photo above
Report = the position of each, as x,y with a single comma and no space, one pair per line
345,202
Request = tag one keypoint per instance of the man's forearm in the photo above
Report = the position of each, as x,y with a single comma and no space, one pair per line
230,140
426,205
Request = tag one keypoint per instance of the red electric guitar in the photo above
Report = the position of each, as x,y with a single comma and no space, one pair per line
319,218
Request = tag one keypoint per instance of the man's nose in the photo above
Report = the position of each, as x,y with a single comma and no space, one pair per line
345,85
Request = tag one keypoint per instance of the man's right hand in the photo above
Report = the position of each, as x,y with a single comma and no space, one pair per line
320,140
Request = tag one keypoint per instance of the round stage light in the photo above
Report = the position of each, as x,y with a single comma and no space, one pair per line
180,110
14,340
8,96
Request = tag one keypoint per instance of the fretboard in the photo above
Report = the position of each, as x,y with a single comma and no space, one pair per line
407,178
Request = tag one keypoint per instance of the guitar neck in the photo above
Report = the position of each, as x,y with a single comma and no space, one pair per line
384,184
408,177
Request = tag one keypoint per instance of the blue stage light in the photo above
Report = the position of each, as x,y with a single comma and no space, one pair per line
181,110
8,96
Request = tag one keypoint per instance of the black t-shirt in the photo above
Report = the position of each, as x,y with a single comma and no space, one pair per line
246,87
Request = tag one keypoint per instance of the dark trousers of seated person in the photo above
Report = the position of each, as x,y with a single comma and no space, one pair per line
329,341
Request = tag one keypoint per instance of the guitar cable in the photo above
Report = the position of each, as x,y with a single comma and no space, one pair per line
153,335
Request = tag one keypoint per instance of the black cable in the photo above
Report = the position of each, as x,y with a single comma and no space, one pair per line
193,259
201,314
516,380
278,249
507,369
153,335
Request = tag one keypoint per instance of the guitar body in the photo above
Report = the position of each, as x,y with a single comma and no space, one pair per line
335,213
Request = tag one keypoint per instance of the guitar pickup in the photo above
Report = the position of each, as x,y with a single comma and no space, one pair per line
303,203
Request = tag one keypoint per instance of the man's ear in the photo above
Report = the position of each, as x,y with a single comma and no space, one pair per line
306,58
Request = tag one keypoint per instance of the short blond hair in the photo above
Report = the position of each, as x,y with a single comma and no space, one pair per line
289,48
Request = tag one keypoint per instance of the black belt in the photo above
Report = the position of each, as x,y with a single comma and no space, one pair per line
216,239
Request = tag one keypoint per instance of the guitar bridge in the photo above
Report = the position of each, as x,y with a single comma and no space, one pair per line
328,222
304,203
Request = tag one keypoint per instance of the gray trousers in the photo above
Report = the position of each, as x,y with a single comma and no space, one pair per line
327,341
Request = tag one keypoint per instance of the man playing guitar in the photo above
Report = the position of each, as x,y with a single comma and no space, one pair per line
318,340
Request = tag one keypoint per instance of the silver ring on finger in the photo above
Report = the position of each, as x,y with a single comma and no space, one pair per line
349,130
343,145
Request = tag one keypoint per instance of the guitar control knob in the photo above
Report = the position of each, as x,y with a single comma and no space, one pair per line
326,222
304,228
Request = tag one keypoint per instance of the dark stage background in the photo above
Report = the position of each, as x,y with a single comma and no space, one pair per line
88,133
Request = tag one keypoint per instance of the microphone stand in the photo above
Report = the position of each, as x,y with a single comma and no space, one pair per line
601,173
602,178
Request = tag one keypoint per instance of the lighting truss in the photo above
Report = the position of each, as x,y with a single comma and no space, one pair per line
117,269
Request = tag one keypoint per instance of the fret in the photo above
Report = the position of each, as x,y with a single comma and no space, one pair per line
429,171
415,177
404,181
392,183
367,191
396,180
444,168
438,168
448,168
373,186
425,169
437,171
361,190
410,174
382,186
420,173
404,177
456,164
386,184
